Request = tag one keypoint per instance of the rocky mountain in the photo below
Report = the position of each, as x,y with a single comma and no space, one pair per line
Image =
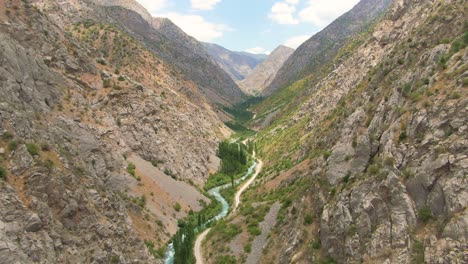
323,46
262,76
99,134
171,44
237,64
365,160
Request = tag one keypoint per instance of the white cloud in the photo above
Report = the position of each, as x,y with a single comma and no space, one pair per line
204,4
197,27
283,12
296,41
322,12
153,5
257,50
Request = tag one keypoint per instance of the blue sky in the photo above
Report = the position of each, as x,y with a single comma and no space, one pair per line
256,26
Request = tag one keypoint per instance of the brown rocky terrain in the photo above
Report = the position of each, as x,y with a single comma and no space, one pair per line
79,95
368,154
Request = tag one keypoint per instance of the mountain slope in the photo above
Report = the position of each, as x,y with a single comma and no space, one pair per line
237,64
262,76
323,46
82,101
371,166
170,43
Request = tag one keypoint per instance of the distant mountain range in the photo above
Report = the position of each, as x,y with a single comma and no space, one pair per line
237,64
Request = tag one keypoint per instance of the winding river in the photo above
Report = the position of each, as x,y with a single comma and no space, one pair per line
170,252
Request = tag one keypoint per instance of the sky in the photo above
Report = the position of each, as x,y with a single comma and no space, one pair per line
256,26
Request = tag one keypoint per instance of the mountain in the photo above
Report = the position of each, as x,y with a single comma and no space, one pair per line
237,64
102,132
175,47
323,46
365,158
264,73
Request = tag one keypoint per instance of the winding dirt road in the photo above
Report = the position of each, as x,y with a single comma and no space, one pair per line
198,243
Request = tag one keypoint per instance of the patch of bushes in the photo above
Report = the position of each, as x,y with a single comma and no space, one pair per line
3,173
13,145
7,136
131,169
106,83
424,214
418,253
177,207
308,219
32,149
316,243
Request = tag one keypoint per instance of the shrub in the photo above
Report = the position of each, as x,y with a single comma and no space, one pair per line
121,78
131,169
248,248
32,149
3,173
308,219
101,61
106,83
254,230
403,136
13,145
326,154
373,169
424,214
45,147
418,253
316,243
177,207
7,136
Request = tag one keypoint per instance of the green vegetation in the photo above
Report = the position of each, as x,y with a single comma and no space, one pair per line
308,219
316,243
131,169
13,145
418,253
233,158
424,214
157,253
7,135
32,149
106,83
3,173
226,259
177,207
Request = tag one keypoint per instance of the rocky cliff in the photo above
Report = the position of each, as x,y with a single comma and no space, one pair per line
237,64
85,106
371,166
323,46
262,76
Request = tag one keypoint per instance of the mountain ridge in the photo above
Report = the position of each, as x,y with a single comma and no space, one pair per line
262,76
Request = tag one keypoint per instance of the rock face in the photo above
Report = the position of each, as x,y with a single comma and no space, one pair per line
323,46
237,64
262,76
371,164
79,93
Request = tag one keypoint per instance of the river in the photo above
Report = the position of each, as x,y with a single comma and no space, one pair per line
170,253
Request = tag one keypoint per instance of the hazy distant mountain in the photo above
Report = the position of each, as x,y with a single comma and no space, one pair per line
237,64
264,73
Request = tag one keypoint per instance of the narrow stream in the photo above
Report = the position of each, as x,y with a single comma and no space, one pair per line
170,252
